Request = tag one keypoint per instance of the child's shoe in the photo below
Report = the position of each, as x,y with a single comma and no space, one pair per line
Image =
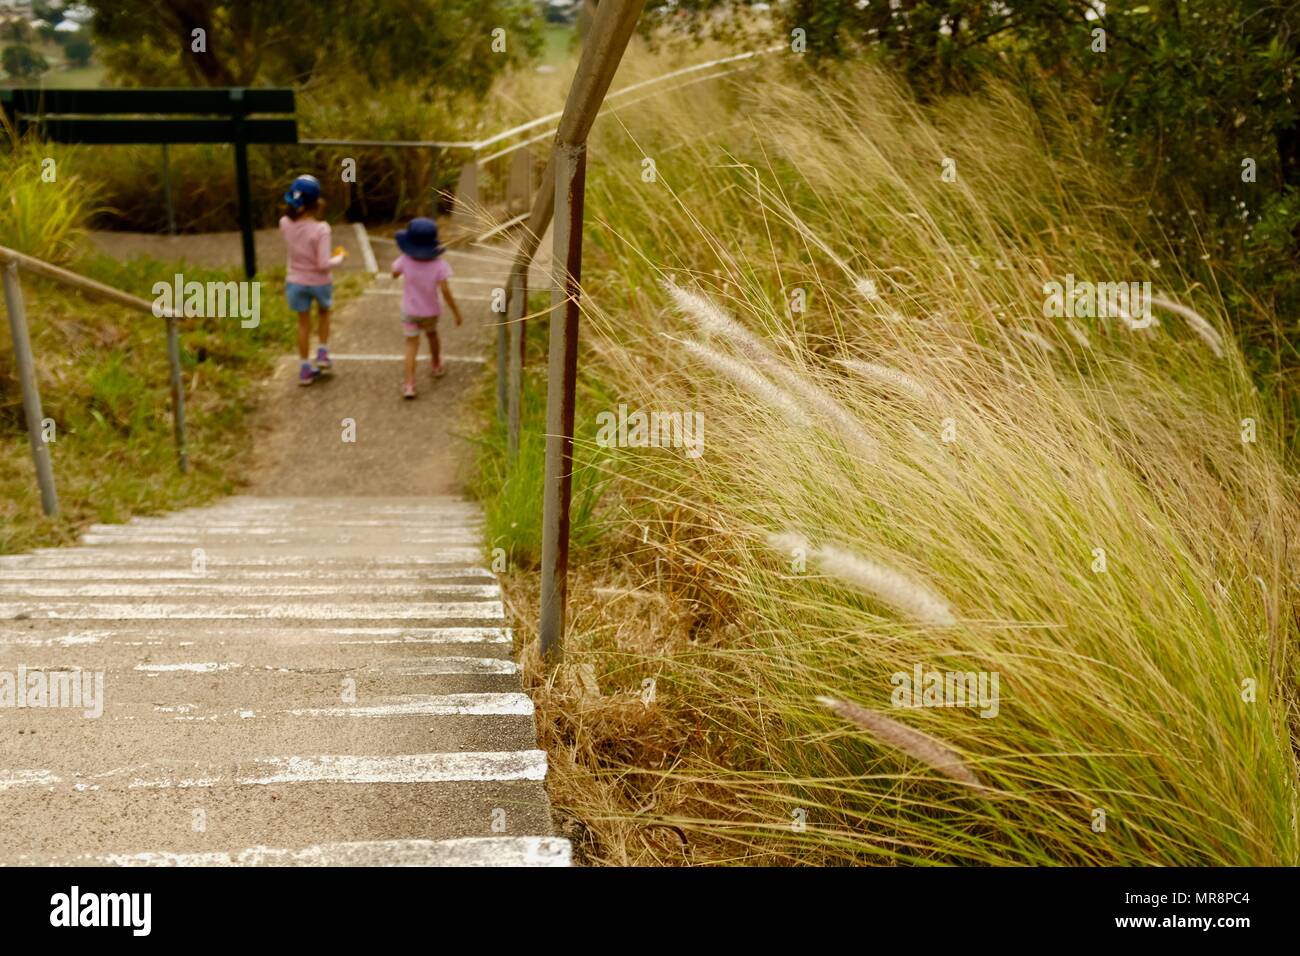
438,369
306,374
323,359
408,390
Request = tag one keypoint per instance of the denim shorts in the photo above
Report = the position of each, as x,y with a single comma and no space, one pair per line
300,296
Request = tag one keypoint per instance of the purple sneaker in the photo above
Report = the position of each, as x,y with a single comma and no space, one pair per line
323,362
306,374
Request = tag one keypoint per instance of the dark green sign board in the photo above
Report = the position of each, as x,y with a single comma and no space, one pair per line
210,115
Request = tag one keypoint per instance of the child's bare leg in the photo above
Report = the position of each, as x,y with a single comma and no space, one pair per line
324,326
435,352
412,347
304,334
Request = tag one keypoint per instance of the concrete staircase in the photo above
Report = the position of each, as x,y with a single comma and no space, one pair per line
285,681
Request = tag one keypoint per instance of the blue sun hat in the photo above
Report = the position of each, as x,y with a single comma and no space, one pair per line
302,190
419,240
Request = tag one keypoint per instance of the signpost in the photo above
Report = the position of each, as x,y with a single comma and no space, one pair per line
118,116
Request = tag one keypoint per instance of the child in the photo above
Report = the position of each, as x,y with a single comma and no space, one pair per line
426,273
308,274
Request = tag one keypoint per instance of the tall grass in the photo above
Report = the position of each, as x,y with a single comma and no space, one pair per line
1075,498
43,202
511,491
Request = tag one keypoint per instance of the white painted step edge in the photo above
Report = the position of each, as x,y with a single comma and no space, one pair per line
462,851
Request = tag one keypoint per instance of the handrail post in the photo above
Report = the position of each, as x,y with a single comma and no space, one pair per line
516,308
178,393
31,393
561,387
603,47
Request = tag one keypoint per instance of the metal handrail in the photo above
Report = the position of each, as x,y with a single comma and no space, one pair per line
11,260
467,189
560,197
478,146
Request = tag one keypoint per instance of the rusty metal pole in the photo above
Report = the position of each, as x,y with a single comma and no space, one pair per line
603,47
31,394
178,393
561,382
515,311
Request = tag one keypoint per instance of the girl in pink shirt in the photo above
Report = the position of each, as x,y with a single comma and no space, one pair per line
308,277
424,273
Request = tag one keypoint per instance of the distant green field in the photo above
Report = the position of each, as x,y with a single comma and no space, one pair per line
60,76
557,41
74,77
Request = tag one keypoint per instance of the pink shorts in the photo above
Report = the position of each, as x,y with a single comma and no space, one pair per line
414,326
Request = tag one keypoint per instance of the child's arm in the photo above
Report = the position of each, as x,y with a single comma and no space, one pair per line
445,288
397,266
323,258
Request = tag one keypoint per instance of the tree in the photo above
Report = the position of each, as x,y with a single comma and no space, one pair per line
1187,93
21,61
17,30
245,42
78,50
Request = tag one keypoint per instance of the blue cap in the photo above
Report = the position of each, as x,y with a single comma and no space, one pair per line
420,239
302,190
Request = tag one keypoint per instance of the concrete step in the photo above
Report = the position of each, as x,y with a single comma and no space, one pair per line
276,637
213,740
299,816
458,612
413,591
356,556
226,574
460,851
329,681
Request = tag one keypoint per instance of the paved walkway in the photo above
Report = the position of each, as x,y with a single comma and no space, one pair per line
398,447
318,673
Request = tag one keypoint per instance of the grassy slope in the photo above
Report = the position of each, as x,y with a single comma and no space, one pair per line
103,376
1123,690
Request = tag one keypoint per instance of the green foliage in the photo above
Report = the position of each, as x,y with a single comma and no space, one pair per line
37,216
78,50
391,183
377,70
1192,100
512,493
21,61
17,30
243,42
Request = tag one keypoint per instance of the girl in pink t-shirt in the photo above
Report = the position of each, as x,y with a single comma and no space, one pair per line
424,275
307,278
